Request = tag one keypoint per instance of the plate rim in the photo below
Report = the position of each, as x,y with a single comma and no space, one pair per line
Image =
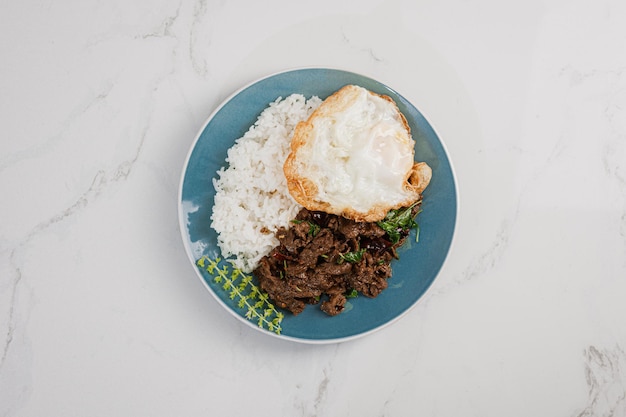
189,252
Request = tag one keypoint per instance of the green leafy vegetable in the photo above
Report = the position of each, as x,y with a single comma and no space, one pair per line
250,298
352,257
352,294
399,221
314,228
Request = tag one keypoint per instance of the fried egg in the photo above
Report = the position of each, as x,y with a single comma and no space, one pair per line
354,157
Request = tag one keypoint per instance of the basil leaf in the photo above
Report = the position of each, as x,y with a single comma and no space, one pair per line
352,293
397,221
352,257
314,229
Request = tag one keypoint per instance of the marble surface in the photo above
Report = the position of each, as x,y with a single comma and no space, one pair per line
101,313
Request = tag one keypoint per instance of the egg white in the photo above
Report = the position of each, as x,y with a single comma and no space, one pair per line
354,157
360,156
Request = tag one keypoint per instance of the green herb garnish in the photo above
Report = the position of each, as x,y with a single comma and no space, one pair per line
398,221
250,298
314,228
352,293
352,257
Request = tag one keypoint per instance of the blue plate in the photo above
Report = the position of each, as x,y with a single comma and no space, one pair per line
419,262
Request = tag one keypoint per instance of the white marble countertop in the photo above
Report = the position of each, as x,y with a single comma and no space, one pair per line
101,313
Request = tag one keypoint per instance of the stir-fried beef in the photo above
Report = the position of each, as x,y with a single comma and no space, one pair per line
323,257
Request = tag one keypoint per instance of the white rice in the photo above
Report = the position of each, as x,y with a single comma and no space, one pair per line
252,201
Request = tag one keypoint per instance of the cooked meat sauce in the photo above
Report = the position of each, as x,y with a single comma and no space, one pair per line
327,258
